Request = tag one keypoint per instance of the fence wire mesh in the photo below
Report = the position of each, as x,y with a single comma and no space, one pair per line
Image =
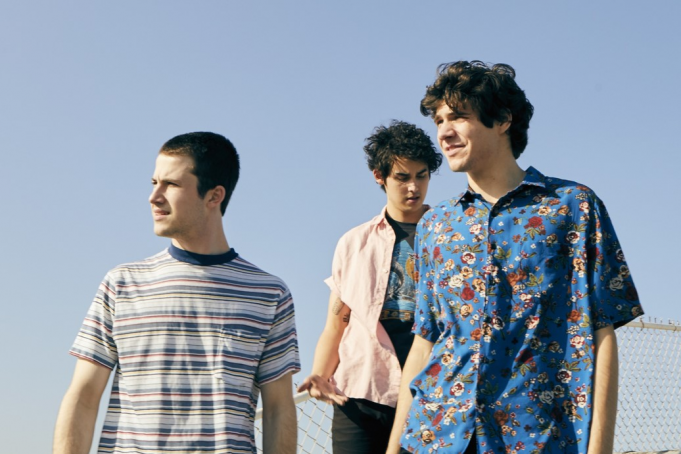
314,426
649,410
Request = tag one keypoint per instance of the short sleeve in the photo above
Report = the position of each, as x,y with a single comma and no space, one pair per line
425,315
335,280
95,340
280,352
613,298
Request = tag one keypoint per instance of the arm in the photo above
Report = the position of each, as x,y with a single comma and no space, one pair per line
279,423
326,357
416,362
602,433
78,411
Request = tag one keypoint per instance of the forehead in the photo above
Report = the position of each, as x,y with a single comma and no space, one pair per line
443,109
406,165
173,166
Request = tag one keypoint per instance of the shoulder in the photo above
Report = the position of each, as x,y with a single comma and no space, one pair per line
570,190
441,210
362,233
252,276
145,267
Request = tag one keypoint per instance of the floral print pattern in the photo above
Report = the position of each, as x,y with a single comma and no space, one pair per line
511,295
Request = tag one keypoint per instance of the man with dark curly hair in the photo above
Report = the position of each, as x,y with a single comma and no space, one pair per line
360,354
520,283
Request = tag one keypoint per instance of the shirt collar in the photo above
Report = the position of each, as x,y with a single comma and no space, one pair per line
382,218
533,177
201,259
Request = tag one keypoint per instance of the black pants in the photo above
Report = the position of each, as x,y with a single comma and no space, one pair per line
471,449
361,427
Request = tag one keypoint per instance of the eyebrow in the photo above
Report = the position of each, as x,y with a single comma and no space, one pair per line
406,174
165,180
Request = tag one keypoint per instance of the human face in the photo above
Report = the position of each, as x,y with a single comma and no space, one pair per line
406,187
178,210
469,145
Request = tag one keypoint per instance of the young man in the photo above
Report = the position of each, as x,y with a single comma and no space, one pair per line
367,336
520,282
194,333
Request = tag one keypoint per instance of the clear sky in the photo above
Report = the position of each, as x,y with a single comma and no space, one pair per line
89,91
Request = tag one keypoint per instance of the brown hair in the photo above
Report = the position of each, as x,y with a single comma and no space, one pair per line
491,91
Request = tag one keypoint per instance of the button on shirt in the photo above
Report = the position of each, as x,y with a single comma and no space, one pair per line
511,295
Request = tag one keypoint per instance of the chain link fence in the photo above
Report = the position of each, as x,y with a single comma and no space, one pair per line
314,425
649,407
649,410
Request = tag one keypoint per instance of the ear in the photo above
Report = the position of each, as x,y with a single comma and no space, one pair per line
215,196
506,124
379,178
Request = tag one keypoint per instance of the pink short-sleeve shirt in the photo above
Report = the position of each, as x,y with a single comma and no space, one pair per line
368,367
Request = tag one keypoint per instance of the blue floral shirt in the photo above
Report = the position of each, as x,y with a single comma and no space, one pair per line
511,295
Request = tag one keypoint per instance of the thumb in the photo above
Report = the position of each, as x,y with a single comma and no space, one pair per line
305,385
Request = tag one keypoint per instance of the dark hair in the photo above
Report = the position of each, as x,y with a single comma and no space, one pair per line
400,140
491,91
216,162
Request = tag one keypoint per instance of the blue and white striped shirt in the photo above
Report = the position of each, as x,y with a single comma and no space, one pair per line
192,337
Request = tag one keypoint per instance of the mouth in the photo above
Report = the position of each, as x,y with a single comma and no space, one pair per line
414,199
159,214
451,150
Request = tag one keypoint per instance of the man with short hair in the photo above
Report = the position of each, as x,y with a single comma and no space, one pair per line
360,354
194,333
520,283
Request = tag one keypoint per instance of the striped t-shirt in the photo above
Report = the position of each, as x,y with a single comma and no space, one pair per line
191,338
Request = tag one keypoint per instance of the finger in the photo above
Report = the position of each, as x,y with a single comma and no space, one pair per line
339,400
305,385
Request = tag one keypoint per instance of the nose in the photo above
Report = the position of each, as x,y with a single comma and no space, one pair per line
445,131
156,195
411,186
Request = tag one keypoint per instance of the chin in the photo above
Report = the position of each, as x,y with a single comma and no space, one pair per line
162,233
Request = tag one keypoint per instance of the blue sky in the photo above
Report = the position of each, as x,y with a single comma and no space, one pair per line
90,90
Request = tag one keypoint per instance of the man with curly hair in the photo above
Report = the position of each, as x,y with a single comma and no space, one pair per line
360,354
520,283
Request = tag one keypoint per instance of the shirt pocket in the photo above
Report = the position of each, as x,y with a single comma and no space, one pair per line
238,357
555,263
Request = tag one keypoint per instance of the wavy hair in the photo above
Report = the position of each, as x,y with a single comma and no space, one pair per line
491,91
400,140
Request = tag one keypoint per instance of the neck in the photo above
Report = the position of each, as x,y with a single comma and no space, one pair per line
210,241
407,217
493,183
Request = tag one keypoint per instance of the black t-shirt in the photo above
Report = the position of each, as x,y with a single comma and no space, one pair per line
397,316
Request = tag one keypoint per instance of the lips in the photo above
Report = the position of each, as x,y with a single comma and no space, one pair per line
159,214
452,149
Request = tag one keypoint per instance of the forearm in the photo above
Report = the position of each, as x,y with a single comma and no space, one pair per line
403,405
280,430
326,357
416,362
605,387
75,426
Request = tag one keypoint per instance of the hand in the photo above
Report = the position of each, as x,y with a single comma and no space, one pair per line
322,390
